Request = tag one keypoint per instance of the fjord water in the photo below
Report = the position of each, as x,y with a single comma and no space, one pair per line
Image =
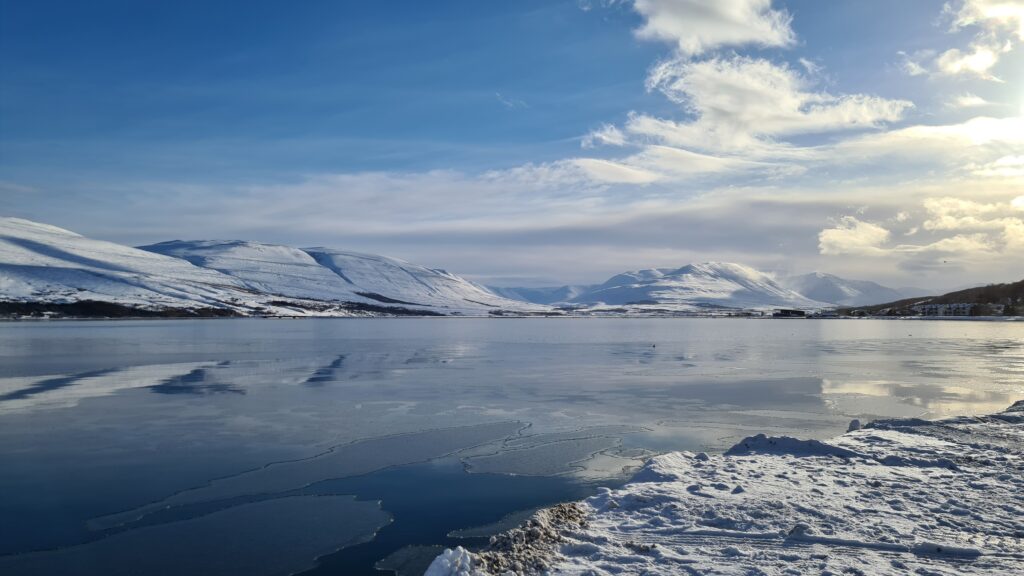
257,446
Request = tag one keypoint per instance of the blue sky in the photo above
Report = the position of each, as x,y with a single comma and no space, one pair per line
313,86
530,142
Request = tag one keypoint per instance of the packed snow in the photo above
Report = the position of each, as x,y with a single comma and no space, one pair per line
45,264
894,497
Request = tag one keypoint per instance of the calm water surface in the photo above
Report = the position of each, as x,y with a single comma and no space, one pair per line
258,446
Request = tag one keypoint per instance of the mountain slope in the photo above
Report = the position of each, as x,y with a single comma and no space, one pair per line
50,268
697,286
337,275
543,295
1010,295
831,288
42,263
382,278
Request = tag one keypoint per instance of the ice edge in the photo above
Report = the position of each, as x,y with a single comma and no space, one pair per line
892,497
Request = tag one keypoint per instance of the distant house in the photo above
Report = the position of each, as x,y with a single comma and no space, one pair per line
954,309
785,313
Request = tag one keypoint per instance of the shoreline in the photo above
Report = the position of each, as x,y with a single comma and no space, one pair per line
896,496
511,316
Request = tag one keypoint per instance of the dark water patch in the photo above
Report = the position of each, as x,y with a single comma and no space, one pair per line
346,460
270,538
431,500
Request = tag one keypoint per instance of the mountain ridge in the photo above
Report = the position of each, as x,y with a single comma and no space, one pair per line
44,264
54,269
837,291
725,285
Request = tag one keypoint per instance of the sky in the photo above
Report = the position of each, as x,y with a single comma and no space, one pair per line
532,143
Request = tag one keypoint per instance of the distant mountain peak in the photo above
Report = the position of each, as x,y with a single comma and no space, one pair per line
840,291
697,286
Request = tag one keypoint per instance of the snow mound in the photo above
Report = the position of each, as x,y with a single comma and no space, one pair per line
458,562
895,497
787,446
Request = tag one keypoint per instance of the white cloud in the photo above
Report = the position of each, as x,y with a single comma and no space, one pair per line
511,103
994,15
965,148
960,234
608,134
743,98
968,100
742,111
811,67
959,214
1003,167
979,61
960,245
852,236
611,172
998,23
912,63
697,26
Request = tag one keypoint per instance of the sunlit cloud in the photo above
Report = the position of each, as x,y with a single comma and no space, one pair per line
997,25
995,15
852,236
978,60
968,100
694,26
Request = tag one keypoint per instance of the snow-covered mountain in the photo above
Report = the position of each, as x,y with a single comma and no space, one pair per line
327,274
543,295
831,288
698,286
819,287
42,264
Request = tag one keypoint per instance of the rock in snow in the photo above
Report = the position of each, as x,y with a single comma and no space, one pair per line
894,497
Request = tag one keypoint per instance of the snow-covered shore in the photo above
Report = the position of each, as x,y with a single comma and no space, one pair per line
895,497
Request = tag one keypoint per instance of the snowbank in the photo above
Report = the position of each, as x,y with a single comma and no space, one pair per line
894,497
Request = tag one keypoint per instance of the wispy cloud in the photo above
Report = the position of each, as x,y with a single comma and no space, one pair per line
511,103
